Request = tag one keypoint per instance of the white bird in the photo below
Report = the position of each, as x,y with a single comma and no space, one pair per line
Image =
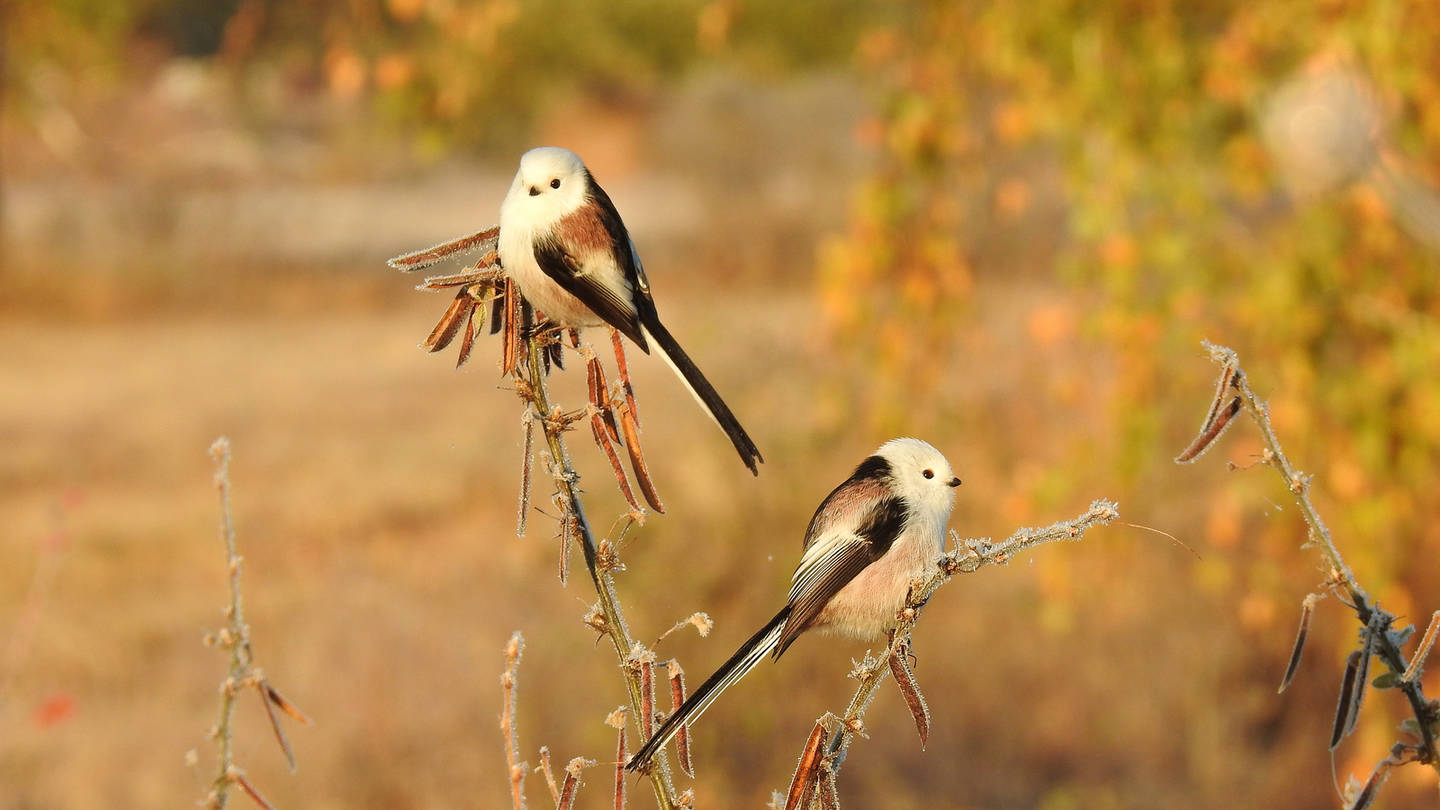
873,535
563,243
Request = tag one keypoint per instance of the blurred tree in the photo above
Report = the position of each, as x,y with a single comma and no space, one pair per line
449,74
1176,223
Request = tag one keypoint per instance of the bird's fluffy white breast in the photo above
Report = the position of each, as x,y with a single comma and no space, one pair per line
525,218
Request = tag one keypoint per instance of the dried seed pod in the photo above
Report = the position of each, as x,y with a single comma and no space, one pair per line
556,355
1347,704
481,275
1210,432
239,778
497,309
275,726
637,461
1362,680
910,690
625,386
510,338
285,705
1417,662
804,781
1307,608
527,469
467,338
602,440
622,754
677,699
421,259
647,696
455,316
829,793
600,394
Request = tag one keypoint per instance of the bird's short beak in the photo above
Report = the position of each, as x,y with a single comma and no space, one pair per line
954,482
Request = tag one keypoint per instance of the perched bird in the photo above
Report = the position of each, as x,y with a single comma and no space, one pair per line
563,242
873,535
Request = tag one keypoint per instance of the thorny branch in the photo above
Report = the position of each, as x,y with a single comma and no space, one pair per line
1234,395
243,674
967,556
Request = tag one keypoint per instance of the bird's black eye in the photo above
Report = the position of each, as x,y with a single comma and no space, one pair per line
928,473
555,183
534,192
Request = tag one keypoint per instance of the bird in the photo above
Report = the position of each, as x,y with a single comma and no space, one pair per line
562,241
873,535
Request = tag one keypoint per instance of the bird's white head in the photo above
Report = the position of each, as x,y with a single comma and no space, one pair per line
921,474
551,183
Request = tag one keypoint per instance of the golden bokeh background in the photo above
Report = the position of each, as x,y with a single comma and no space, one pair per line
1004,228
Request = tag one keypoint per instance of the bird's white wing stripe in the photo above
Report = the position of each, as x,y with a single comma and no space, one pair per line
822,557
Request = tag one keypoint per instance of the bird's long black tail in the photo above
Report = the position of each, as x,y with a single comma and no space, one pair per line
744,660
703,391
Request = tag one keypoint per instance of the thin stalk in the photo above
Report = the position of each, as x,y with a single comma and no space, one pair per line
1299,486
236,635
965,558
616,628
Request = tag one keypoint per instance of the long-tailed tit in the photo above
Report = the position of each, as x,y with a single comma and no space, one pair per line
875,534
563,242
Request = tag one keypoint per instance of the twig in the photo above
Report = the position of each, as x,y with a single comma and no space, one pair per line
618,720
514,648
1234,394
242,674
966,557
544,767
534,389
572,781
235,635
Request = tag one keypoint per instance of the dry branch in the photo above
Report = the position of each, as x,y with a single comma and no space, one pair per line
514,648
242,673
967,556
1233,395
532,386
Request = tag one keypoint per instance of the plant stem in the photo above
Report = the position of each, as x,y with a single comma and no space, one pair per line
566,480
1299,486
965,558
237,635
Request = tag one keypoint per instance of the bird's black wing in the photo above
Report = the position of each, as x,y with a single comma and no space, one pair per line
565,268
836,557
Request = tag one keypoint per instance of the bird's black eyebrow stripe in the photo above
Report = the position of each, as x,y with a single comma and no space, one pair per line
884,525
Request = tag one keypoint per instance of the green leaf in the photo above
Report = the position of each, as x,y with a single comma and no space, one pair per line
1386,680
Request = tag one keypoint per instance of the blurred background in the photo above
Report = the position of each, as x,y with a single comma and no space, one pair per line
1000,227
